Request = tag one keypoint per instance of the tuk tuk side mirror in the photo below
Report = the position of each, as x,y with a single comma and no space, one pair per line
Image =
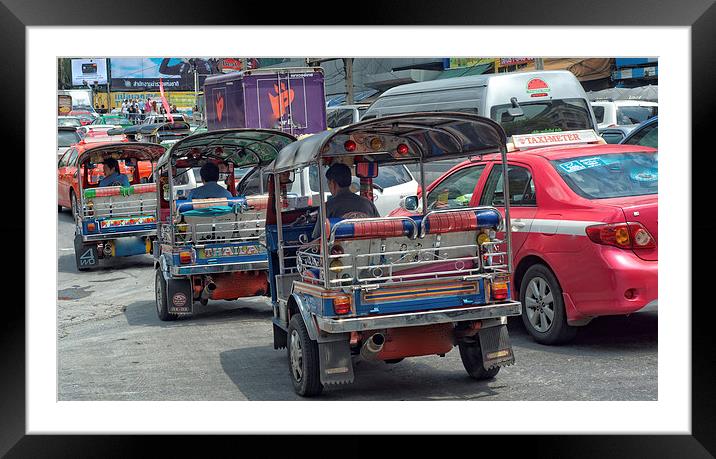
515,110
409,203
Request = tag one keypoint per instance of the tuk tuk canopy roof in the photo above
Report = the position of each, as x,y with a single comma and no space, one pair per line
121,150
415,137
242,147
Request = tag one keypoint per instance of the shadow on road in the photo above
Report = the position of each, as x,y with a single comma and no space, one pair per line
261,373
637,332
66,263
144,313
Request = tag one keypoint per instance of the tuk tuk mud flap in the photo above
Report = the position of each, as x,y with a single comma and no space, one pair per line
336,363
85,254
179,296
496,347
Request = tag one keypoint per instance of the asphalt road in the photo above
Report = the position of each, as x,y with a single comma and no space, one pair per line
112,346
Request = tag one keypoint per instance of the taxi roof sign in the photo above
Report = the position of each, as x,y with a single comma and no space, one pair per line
525,141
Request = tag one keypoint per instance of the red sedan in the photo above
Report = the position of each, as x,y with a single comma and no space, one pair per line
85,116
584,229
67,186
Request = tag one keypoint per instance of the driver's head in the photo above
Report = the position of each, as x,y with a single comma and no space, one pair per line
209,172
338,176
110,166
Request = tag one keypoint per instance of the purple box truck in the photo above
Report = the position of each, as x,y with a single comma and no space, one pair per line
290,100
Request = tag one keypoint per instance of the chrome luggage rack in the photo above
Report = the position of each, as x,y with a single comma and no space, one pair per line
130,208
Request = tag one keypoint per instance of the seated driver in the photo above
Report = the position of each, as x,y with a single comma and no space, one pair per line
112,177
210,189
344,203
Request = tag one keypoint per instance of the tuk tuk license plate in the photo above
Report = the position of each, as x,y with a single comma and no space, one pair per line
233,251
115,222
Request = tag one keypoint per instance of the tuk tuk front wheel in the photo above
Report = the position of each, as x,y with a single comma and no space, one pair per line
471,356
303,361
160,287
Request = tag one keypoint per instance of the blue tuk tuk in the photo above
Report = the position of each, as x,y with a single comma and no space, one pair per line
388,288
115,221
213,248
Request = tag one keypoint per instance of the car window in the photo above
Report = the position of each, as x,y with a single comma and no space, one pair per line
648,136
255,183
522,188
544,116
610,176
67,138
339,117
635,114
73,158
598,113
388,176
64,159
612,137
456,190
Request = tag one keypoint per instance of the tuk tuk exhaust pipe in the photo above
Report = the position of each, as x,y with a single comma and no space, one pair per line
208,290
372,346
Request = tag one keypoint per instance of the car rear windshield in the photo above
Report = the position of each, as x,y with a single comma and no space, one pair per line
610,176
388,176
67,138
635,114
544,116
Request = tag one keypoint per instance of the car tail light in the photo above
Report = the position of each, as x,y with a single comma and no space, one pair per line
629,235
499,290
342,304
185,257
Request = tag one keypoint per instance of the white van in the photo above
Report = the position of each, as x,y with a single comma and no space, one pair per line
610,113
522,102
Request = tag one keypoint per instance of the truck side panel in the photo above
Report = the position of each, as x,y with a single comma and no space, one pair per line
225,105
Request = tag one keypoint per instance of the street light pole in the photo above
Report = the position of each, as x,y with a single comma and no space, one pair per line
539,63
348,64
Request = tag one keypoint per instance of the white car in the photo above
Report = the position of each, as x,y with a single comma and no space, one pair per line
610,113
393,183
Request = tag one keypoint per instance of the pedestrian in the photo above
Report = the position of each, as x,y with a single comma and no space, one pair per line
148,105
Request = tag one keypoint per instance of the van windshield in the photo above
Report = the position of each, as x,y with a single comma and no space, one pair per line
544,116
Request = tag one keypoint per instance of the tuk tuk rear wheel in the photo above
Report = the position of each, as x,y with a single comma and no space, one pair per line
471,356
303,361
160,288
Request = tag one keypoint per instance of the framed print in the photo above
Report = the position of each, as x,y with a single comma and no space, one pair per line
632,387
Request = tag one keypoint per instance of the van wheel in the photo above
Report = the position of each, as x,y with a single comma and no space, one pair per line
543,310
471,356
160,288
303,361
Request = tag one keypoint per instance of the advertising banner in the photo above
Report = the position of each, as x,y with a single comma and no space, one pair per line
143,73
456,62
89,71
182,99
64,104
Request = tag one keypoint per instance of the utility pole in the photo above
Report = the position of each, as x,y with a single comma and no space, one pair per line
196,91
539,63
348,65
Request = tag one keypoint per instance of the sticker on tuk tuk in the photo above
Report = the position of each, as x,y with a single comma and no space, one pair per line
233,251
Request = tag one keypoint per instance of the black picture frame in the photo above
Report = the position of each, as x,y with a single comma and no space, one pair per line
700,15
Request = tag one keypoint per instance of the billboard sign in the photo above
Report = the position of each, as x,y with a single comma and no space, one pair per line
143,73
89,71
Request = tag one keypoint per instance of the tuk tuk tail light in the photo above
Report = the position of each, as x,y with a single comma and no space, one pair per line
185,257
402,149
91,227
350,146
499,290
342,304
337,250
336,266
